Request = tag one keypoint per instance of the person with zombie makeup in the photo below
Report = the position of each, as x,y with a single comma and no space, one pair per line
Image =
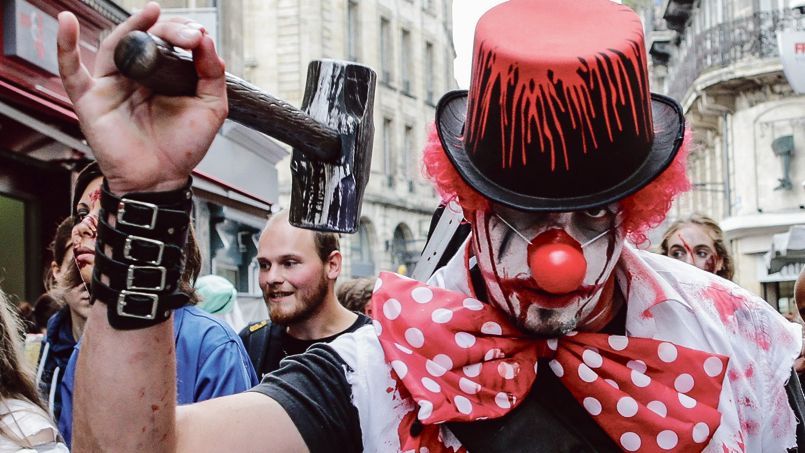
65,327
546,332
210,359
699,241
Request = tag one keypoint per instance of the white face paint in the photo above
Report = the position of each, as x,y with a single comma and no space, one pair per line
503,260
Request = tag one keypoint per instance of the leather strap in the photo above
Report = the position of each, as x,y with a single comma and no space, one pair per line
146,258
274,352
130,247
146,214
129,310
137,277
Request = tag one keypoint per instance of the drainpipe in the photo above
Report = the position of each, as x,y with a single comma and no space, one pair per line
725,164
708,107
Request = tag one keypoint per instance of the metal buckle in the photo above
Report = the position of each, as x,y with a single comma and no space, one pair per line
121,305
121,212
130,277
130,241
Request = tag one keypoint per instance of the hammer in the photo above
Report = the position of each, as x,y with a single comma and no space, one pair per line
331,135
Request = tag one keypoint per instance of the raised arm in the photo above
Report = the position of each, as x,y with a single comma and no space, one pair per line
126,380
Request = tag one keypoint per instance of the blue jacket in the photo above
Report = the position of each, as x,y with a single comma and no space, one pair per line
57,346
210,362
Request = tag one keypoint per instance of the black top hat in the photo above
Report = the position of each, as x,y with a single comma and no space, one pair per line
559,116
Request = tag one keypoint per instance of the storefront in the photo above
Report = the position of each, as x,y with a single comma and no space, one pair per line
40,141
782,264
41,148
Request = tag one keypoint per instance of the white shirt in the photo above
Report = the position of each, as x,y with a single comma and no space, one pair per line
666,300
27,428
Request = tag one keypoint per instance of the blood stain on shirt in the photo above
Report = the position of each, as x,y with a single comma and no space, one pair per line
726,304
745,401
750,426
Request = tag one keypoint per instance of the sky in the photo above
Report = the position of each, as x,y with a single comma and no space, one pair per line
465,14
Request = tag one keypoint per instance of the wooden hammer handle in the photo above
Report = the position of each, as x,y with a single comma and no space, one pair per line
155,64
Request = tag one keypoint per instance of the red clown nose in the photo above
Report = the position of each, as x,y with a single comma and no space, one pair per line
557,262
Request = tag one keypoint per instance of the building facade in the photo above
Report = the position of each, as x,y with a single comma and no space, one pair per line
40,142
41,147
237,183
270,44
409,44
721,60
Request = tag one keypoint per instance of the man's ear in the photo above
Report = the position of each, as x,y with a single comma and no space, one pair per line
55,270
333,264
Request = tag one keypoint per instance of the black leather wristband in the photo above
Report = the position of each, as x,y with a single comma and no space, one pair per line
140,260
156,215
129,310
137,277
130,247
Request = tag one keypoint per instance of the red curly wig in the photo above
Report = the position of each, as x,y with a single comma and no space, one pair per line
643,210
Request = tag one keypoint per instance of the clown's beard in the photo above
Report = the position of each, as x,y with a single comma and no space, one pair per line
577,315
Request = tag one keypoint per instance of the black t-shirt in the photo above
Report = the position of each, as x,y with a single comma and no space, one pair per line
313,390
293,346
269,343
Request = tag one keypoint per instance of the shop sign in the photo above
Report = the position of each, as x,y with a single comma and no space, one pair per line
30,35
792,54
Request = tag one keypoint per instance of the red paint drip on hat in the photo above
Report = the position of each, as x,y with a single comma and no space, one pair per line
533,98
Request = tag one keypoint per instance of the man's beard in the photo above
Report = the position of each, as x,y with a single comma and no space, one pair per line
308,303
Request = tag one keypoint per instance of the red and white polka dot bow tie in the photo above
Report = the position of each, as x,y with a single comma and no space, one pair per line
462,360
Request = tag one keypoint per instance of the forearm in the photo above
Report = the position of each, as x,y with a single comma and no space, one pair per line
125,394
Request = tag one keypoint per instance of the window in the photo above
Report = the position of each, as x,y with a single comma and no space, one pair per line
361,261
403,260
406,62
427,5
408,151
233,249
449,80
429,62
353,31
14,253
780,295
388,147
386,50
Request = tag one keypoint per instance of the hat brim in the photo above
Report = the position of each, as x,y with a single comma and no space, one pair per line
669,130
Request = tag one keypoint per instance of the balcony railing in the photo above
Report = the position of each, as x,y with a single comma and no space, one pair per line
752,37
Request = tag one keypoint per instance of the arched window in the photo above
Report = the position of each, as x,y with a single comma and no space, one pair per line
362,263
402,259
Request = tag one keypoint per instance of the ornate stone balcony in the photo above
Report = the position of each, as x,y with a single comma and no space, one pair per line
729,43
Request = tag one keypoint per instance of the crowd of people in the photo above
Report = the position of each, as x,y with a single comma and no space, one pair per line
544,304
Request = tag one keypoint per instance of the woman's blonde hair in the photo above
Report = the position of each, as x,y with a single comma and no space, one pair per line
727,267
16,376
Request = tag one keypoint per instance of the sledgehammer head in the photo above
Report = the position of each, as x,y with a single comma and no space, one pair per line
327,196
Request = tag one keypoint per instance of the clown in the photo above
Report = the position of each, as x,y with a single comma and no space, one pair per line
546,331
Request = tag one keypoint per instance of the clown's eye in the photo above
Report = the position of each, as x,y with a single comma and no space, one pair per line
596,213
